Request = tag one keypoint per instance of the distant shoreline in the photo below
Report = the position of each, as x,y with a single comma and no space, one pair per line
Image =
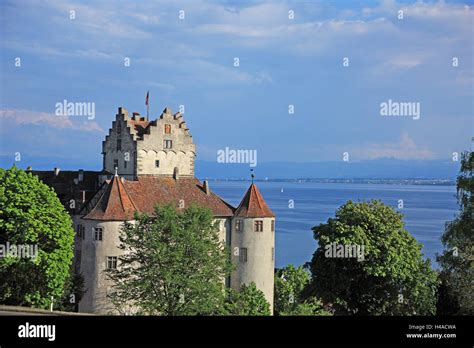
434,182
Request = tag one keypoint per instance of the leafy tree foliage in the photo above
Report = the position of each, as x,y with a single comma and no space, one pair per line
457,261
310,306
174,264
73,291
31,214
391,279
249,301
290,299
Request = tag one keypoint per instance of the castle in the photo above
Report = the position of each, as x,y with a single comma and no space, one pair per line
146,163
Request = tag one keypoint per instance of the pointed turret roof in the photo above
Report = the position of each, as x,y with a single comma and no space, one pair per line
253,204
115,204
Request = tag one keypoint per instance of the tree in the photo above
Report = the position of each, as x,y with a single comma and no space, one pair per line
73,291
456,295
249,301
174,263
290,299
31,216
368,264
310,306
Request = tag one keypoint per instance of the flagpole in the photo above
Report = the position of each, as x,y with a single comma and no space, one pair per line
147,102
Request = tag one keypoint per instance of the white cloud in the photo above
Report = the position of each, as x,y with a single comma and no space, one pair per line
405,149
28,117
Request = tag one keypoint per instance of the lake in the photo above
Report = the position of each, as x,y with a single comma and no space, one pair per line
426,210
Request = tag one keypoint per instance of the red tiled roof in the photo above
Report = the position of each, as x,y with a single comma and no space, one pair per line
139,126
114,204
253,204
148,191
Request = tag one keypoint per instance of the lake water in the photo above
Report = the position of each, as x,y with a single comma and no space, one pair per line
426,210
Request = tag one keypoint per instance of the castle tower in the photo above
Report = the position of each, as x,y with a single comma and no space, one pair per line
99,249
253,236
137,146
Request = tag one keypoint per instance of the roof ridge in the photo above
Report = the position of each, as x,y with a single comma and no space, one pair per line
257,195
121,188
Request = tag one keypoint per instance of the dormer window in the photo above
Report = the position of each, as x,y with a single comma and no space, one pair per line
167,144
167,129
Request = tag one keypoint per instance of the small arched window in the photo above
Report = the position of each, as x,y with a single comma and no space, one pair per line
167,129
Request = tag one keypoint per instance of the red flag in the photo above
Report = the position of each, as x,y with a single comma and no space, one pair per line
147,96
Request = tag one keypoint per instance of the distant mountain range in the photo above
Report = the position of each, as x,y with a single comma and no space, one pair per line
382,169
386,168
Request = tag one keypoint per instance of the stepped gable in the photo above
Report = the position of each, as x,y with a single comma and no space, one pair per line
115,204
253,205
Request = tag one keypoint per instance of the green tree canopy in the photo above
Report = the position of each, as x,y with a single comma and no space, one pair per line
249,301
174,264
391,277
290,293
289,285
32,215
457,260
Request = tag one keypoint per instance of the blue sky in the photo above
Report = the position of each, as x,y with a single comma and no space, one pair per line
283,62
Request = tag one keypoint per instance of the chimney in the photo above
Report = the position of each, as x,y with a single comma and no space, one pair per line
56,171
206,188
80,177
176,173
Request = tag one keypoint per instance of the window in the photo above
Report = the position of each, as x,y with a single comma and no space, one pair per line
167,144
238,225
115,163
119,128
273,225
273,254
125,163
258,226
243,255
157,163
98,233
167,129
111,262
119,145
